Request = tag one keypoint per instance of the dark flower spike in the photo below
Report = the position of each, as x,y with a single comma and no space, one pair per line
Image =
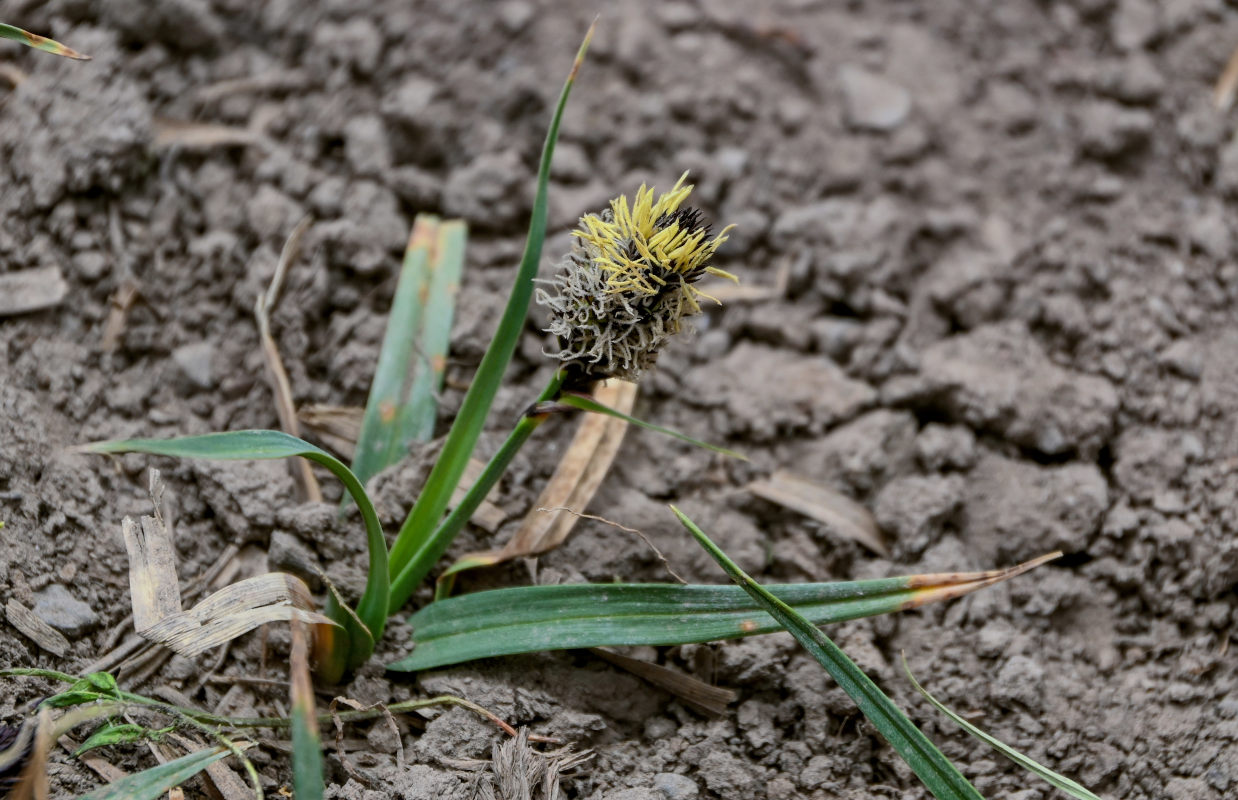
629,282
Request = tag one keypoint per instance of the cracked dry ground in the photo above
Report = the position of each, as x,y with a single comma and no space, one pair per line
1007,326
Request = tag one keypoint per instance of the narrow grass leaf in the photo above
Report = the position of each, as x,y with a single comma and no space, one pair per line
307,766
467,504
531,618
381,441
416,547
265,445
1060,781
155,781
933,768
39,42
121,733
421,411
586,403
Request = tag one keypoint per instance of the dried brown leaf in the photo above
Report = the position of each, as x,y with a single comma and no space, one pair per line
217,619
707,699
836,511
575,480
200,135
42,634
308,489
1227,85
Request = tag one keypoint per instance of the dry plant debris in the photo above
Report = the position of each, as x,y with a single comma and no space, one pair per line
31,290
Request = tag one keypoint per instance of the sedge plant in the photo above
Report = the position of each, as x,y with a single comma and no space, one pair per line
626,287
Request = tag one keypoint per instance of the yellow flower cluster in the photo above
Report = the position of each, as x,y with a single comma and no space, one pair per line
628,282
637,247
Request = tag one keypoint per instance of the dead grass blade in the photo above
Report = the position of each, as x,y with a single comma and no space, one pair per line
276,80
31,290
727,293
836,511
711,700
104,769
200,136
42,634
308,489
517,771
10,74
336,426
118,313
220,617
1227,85
575,480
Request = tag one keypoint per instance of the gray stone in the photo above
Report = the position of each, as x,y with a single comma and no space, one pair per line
728,777
57,607
1134,24
872,101
829,221
90,265
489,192
1019,510
1184,357
940,447
634,793
366,145
271,213
1108,130
914,508
862,453
997,378
408,102
1020,681
194,363
674,786
800,392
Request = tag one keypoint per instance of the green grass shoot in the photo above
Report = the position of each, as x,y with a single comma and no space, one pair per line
1057,780
403,399
930,765
532,618
421,540
39,42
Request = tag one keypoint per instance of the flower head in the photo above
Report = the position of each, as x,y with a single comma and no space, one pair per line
628,282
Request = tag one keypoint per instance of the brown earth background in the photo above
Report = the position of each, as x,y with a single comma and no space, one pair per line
1002,237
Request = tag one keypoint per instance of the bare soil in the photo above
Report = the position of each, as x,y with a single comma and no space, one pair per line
1008,326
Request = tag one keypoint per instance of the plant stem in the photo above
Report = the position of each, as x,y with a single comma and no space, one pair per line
408,572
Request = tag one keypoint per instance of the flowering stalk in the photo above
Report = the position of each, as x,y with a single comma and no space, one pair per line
629,282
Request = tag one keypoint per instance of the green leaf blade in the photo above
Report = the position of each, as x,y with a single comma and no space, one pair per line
120,733
930,765
379,442
531,618
1055,779
417,421
154,782
39,42
413,553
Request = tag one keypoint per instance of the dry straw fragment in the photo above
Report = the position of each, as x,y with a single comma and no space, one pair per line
31,290
42,634
838,512
220,617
